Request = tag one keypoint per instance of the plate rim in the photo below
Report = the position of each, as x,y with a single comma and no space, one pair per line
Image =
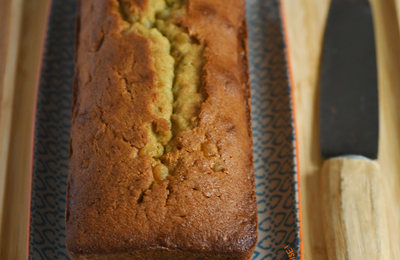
34,113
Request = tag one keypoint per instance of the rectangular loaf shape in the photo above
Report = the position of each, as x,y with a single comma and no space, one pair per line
161,163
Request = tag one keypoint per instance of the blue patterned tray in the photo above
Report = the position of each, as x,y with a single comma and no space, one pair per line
273,135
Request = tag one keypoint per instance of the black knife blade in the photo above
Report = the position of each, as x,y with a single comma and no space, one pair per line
349,118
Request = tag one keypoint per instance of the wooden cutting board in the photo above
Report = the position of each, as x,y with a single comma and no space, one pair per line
306,24
21,30
21,37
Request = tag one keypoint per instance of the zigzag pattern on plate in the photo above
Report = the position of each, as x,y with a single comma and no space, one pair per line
50,169
273,135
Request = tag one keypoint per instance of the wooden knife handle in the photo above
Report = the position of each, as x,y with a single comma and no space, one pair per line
354,209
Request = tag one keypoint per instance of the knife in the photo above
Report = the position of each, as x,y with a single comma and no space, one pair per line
355,224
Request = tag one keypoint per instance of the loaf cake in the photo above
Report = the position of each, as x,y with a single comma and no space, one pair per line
161,163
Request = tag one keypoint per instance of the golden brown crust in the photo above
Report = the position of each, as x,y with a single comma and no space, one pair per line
111,209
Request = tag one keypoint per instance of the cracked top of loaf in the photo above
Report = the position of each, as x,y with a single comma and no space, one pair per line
161,148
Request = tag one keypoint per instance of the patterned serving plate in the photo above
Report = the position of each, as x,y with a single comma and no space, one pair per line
273,135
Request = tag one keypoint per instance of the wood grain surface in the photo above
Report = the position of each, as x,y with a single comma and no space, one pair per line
355,221
306,23
26,24
305,26
10,14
